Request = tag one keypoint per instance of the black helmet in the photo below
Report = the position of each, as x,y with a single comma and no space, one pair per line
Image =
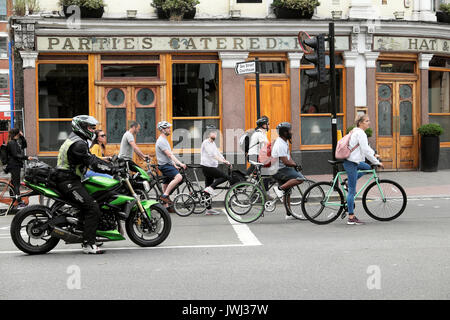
80,126
283,130
262,121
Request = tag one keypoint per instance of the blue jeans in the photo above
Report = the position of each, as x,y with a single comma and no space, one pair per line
91,173
352,173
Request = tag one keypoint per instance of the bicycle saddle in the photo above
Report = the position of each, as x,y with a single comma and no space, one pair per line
255,163
335,162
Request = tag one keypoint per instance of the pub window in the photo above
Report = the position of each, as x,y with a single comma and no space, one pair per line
195,102
315,112
63,91
3,47
272,67
3,10
386,66
130,71
439,96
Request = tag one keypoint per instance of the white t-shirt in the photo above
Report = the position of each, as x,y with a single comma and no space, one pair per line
364,150
281,149
257,141
207,153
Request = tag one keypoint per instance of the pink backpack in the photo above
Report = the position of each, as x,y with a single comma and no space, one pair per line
343,150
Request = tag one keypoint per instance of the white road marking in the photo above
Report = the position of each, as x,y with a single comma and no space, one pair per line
144,248
243,232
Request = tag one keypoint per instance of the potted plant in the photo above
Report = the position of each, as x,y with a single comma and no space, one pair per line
175,10
430,146
368,131
444,14
88,8
20,7
294,9
33,6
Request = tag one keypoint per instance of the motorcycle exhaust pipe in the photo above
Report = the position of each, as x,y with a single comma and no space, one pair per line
65,235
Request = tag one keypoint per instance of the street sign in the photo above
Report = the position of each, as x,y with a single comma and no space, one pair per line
245,67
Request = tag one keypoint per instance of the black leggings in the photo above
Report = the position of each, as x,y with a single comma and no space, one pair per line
214,176
15,179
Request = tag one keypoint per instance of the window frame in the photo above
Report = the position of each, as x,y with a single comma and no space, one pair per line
439,69
169,97
89,62
342,114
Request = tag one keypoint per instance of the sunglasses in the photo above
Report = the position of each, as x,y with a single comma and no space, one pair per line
102,135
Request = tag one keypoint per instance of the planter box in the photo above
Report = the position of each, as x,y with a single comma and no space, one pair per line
429,153
166,15
86,12
442,17
284,13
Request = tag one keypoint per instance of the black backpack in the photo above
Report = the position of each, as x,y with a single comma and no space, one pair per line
4,154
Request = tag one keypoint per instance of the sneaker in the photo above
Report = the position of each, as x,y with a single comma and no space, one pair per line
278,192
165,199
211,212
289,217
354,220
21,205
91,249
210,191
170,209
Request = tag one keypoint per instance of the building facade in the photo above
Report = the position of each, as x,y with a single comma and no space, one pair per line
5,12
395,68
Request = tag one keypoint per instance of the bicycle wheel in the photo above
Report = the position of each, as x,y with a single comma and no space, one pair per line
385,200
293,199
183,204
321,203
6,196
195,185
244,202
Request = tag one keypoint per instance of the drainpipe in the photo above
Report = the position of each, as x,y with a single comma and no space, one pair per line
11,84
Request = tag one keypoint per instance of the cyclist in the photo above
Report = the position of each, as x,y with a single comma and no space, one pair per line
73,160
209,161
356,162
286,175
257,141
128,144
168,164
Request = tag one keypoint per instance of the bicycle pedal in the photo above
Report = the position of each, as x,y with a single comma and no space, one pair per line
343,215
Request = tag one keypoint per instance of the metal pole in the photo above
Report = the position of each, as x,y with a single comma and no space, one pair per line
333,92
11,85
258,101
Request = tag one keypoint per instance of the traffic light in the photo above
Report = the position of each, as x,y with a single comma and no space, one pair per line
317,57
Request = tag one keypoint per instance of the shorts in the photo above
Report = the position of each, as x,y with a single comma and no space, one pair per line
169,172
285,174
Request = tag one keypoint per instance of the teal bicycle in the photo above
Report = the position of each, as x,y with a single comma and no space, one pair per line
382,199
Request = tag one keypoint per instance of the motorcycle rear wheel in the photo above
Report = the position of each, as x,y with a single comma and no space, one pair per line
39,215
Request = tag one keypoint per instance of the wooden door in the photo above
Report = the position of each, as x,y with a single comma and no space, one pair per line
275,103
397,140
122,104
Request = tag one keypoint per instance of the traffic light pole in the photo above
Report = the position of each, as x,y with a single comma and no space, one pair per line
333,93
258,101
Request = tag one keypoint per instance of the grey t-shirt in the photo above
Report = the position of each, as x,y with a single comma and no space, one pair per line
126,150
161,145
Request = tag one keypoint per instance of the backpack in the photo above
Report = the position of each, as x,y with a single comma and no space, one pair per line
41,173
244,140
236,176
343,150
265,155
4,155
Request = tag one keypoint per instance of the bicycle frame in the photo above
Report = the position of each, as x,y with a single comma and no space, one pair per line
338,179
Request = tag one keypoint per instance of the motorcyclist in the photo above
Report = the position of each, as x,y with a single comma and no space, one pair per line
73,160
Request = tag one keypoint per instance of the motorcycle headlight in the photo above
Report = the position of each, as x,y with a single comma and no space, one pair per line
146,186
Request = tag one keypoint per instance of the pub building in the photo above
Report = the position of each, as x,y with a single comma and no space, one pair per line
398,72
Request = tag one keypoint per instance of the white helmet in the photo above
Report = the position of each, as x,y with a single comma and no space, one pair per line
163,125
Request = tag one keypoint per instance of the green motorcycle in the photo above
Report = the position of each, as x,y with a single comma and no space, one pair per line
37,229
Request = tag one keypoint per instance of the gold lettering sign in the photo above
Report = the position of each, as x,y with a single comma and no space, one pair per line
133,44
411,44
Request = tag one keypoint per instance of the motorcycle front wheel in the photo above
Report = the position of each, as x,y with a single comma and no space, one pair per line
149,232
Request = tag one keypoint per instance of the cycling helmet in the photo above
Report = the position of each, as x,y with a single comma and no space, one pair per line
80,126
283,130
262,121
163,125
